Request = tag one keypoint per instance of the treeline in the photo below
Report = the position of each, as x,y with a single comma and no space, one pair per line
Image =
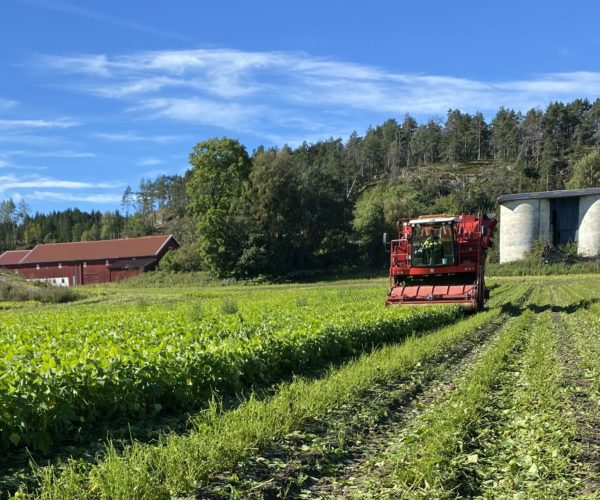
323,206
158,205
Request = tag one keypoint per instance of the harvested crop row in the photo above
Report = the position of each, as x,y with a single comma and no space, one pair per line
422,460
580,355
584,330
178,464
322,457
525,445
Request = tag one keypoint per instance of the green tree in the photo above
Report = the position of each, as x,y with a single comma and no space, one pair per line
220,170
505,128
426,144
586,172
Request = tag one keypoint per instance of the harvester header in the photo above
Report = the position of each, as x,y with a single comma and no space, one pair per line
440,259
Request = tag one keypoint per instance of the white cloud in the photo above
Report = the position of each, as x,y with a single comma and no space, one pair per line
7,103
50,154
204,111
12,182
99,198
137,137
38,124
90,64
149,162
288,94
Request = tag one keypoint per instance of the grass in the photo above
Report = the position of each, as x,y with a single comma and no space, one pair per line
14,289
534,267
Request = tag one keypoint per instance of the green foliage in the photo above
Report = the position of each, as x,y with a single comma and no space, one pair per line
586,172
377,210
229,306
220,169
185,259
62,371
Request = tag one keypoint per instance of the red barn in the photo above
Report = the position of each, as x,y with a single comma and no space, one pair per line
88,262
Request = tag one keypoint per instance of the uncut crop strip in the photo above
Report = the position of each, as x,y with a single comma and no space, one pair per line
77,367
178,464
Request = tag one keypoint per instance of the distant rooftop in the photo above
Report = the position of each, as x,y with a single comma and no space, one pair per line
563,193
145,246
12,257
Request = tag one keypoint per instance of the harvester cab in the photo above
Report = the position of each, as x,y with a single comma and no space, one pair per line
440,260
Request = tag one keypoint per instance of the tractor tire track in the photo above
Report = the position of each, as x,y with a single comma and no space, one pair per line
316,462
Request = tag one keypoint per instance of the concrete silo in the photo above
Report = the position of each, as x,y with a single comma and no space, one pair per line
588,244
551,217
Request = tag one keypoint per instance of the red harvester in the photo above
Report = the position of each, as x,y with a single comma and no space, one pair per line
440,259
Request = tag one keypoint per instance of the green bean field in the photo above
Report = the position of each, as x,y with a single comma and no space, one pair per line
302,391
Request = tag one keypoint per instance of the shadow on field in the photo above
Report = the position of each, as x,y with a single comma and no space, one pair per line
511,309
515,309
570,309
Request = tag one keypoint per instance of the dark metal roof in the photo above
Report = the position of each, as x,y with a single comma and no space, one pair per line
564,193
145,246
132,263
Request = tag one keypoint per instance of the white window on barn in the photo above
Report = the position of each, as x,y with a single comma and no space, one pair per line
37,266
60,265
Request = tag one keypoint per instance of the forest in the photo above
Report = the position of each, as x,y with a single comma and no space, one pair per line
323,206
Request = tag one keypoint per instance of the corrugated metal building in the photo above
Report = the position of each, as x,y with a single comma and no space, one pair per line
89,262
553,217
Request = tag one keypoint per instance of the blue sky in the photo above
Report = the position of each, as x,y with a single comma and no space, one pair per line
95,95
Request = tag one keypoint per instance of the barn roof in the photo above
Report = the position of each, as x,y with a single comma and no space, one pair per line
133,263
146,246
12,257
562,193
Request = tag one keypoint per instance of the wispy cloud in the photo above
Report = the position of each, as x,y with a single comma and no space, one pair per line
137,137
228,115
149,162
286,94
82,12
91,64
7,103
38,124
96,198
49,154
33,138
36,182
